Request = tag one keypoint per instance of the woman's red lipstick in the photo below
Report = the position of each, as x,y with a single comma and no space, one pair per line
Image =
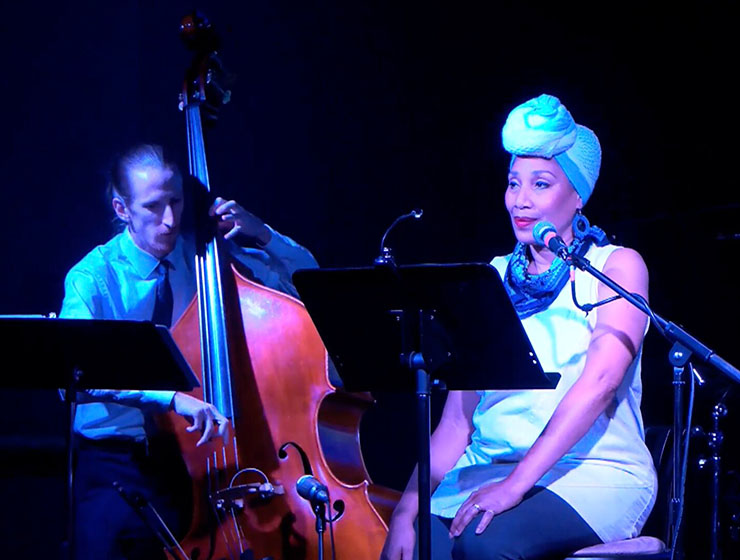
524,222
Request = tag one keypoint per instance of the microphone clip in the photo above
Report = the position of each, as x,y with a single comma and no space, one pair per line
385,258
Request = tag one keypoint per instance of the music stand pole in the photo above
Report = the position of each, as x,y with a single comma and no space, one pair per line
447,323
423,428
413,358
70,399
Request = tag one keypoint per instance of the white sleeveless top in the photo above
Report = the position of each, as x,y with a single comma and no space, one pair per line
608,476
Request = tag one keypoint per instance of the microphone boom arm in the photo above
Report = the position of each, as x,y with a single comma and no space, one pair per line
672,332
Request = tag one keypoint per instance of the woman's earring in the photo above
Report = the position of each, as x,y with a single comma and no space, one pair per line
580,224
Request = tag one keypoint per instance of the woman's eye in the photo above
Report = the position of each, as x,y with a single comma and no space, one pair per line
542,184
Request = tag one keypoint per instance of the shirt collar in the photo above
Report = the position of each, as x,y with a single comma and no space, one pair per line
143,263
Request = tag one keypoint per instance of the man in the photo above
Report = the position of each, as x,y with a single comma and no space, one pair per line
146,272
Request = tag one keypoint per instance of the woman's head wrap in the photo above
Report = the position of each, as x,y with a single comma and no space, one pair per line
543,127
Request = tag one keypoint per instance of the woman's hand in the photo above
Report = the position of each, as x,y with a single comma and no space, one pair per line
401,539
488,501
243,222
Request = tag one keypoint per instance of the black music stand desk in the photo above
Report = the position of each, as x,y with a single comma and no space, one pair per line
407,328
79,354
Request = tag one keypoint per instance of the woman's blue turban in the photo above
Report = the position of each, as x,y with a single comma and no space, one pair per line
543,127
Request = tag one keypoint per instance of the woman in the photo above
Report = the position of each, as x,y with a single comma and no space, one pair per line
538,474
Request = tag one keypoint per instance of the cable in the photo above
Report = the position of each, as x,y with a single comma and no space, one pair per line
586,307
331,535
684,462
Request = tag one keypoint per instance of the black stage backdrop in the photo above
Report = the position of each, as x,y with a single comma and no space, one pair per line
348,114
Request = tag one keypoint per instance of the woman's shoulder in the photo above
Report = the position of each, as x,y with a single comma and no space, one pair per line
625,261
611,256
616,256
623,265
500,259
500,263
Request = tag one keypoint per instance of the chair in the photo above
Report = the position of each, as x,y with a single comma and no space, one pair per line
650,545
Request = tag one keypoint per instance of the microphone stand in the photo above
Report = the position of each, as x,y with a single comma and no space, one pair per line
684,346
715,442
714,439
138,503
319,509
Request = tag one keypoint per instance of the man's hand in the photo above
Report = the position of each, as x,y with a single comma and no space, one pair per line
205,417
243,222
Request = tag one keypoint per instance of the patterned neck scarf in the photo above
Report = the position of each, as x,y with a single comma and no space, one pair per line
532,293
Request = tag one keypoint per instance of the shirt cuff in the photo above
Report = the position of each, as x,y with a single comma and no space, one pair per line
159,399
271,243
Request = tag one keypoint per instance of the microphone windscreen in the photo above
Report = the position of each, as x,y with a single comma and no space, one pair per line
311,489
540,231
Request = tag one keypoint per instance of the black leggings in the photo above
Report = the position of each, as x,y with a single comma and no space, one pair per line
543,526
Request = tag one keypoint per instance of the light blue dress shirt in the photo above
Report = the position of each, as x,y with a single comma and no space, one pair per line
117,280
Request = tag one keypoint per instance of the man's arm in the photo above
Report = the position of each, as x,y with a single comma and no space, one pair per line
292,255
83,299
274,258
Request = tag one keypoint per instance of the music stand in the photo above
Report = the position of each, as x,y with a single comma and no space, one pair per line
79,354
450,325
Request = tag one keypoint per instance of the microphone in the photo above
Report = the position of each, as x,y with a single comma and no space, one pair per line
312,490
546,235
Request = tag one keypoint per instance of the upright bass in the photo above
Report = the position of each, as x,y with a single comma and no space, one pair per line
293,467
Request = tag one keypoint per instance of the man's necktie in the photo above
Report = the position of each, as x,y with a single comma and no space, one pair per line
163,304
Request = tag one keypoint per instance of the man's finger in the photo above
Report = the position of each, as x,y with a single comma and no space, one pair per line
207,431
226,206
213,210
197,423
223,430
233,231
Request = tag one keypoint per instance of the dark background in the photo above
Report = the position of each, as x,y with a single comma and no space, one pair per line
348,114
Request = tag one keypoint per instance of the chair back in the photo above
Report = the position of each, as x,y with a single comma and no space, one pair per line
651,545
659,441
